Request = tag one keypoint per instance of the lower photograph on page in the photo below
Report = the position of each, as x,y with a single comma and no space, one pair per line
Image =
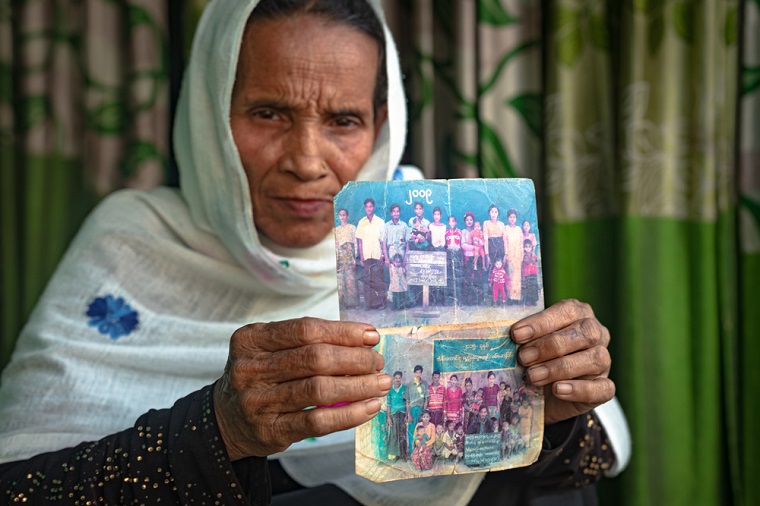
459,403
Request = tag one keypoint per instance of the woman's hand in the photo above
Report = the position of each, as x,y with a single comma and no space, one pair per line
276,370
565,347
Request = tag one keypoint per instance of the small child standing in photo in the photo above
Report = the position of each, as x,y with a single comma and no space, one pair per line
449,444
459,440
506,441
498,282
397,273
477,241
526,420
439,446
529,274
515,438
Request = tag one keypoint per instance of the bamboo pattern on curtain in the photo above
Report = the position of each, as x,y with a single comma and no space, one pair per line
473,80
642,176
83,112
640,180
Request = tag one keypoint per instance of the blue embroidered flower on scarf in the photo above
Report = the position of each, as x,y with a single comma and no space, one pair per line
111,316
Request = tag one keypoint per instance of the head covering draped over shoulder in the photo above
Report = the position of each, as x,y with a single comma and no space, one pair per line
190,269
212,179
186,267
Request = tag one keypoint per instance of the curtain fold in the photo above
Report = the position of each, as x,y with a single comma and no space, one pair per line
746,484
631,134
83,112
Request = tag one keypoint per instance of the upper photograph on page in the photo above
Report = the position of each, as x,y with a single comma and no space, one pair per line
461,251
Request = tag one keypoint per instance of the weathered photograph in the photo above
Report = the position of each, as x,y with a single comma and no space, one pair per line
459,403
437,252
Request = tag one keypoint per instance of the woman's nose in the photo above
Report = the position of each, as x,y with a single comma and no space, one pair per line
303,155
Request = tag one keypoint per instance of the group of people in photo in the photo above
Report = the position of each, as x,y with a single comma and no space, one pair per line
428,423
490,263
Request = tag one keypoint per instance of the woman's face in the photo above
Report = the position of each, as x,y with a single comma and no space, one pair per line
512,219
468,221
425,418
526,227
303,121
493,213
343,215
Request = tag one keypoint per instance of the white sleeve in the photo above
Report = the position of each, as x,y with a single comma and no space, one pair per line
615,425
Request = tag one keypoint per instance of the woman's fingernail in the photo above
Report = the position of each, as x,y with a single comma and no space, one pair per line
372,406
564,389
371,337
528,355
538,373
379,362
522,333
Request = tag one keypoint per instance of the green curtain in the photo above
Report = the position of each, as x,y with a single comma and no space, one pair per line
83,112
655,88
627,115
748,439
637,119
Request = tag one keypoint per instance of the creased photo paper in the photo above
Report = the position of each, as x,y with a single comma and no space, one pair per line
442,269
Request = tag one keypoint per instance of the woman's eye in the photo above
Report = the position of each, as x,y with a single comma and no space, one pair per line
265,114
345,121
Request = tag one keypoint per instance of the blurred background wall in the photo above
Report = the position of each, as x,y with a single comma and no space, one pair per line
639,121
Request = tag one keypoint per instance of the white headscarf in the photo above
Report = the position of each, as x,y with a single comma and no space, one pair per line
212,178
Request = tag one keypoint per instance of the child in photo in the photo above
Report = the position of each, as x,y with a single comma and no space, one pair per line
477,242
439,446
506,441
437,231
459,440
501,393
516,439
419,236
453,235
498,282
449,444
529,275
506,405
398,287
526,420
478,401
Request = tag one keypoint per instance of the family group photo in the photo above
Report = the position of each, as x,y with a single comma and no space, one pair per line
453,251
434,423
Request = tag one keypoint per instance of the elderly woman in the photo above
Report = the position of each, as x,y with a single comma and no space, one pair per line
282,104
